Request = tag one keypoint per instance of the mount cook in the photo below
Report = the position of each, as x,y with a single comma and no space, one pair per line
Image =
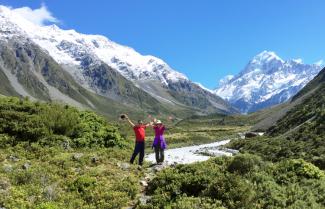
266,80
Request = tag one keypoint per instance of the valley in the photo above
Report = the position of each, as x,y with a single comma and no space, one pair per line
56,156
255,141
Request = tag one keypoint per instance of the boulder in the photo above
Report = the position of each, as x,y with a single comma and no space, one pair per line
77,156
94,159
26,166
13,158
4,185
7,168
144,183
124,166
251,134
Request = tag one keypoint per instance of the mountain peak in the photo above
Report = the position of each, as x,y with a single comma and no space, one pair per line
266,80
266,56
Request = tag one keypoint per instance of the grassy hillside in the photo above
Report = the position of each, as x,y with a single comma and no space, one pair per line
55,156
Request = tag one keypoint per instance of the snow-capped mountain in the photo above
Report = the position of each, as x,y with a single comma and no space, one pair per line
70,47
265,81
95,63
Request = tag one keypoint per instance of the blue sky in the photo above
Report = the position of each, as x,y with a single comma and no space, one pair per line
204,39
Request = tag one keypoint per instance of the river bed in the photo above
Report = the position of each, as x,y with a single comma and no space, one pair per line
191,154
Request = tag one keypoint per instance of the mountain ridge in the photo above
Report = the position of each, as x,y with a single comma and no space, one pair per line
87,58
265,81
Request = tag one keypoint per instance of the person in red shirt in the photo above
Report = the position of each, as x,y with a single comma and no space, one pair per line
140,134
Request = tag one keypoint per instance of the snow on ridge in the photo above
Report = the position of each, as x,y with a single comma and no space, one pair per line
266,78
205,88
223,81
68,46
298,61
266,56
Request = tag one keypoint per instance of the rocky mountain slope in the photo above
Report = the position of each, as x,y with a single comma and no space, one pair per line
306,119
298,131
26,70
265,81
109,70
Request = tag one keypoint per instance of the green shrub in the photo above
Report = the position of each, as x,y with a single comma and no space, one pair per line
83,184
296,169
244,163
232,190
47,205
54,124
95,131
185,202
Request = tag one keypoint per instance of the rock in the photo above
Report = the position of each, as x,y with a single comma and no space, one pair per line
124,166
158,168
174,165
144,183
148,178
144,199
4,185
77,156
77,170
13,158
251,134
94,159
50,192
26,166
241,135
66,145
7,168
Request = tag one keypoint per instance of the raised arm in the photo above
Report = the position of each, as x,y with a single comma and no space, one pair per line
130,122
149,124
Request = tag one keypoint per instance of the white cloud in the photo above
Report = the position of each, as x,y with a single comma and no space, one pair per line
39,16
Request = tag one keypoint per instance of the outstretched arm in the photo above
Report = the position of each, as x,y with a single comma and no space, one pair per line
149,124
130,122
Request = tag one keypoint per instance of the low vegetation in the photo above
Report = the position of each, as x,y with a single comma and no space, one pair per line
299,134
284,169
55,156
245,181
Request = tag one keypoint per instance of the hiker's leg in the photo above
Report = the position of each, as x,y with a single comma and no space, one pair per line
135,152
162,155
141,150
157,153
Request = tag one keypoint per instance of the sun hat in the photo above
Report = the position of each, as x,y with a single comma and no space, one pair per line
158,122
